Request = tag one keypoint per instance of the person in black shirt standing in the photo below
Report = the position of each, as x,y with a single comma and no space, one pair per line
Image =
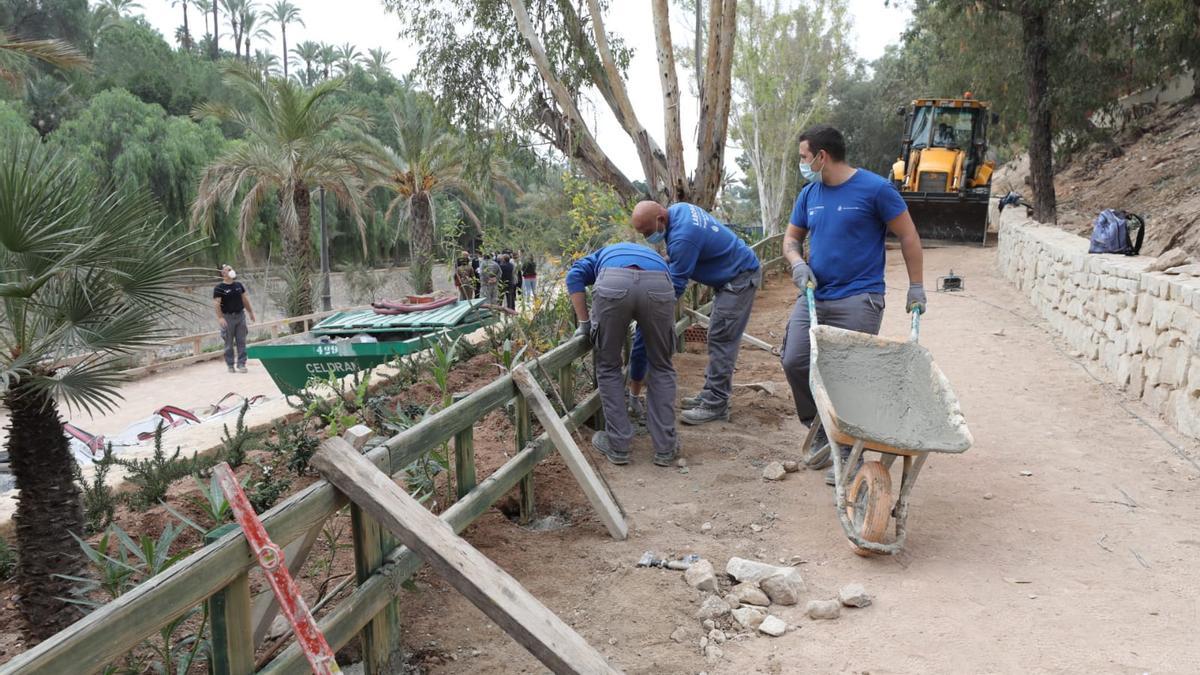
508,281
232,304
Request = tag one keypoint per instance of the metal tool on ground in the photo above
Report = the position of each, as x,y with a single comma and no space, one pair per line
597,493
746,337
270,557
504,600
951,283
883,396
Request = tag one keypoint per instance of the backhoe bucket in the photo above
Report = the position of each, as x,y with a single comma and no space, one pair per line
949,217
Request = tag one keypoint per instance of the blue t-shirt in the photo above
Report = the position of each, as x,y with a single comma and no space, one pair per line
847,224
585,270
700,248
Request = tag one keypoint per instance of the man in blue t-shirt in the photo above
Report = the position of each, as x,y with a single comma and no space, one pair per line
845,213
629,282
703,249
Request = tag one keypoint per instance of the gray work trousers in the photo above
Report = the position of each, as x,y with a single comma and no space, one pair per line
234,334
490,295
862,313
620,296
730,314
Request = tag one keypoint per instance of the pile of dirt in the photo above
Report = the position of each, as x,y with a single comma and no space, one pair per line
1152,168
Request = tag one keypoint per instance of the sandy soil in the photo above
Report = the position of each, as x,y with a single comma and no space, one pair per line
1086,565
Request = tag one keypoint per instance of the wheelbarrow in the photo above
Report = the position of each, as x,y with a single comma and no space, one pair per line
880,396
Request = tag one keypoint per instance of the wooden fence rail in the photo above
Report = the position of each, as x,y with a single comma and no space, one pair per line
221,566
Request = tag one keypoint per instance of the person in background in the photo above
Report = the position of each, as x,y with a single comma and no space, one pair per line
475,272
489,280
630,283
463,280
232,304
508,281
700,248
846,213
529,279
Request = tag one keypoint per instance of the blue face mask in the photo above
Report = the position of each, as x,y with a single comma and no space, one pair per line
656,237
811,175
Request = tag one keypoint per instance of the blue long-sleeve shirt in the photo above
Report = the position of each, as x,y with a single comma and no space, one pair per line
585,270
703,249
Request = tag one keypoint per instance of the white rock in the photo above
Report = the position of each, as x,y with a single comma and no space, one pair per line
1173,258
750,594
774,471
713,653
773,626
716,635
823,609
708,624
854,595
706,528
679,635
713,607
785,587
755,527
702,576
752,570
749,617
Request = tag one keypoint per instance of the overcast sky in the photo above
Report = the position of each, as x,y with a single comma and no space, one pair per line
365,24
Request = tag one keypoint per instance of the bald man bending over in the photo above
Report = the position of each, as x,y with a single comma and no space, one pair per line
703,249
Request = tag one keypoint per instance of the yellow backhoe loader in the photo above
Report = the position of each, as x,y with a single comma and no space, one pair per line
943,172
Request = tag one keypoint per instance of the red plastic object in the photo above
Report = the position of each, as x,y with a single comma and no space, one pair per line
270,558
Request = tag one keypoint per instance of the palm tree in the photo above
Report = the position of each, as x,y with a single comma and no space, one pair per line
234,10
429,159
284,13
186,38
204,7
15,55
293,145
327,56
216,30
308,52
379,61
122,8
348,56
84,272
266,62
251,29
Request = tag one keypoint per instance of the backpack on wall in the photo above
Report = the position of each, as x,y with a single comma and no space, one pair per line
1110,232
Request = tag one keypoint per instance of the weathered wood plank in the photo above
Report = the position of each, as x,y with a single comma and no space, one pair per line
232,639
487,586
596,492
527,507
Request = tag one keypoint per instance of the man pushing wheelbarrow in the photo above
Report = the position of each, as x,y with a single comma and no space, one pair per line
855,392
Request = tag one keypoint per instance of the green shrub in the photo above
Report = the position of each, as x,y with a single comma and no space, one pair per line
99,500
153,476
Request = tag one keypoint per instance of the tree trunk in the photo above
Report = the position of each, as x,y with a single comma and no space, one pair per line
1035,54
297,248
247,50
187,34
677,187
421,243
283,34
714,110
216,30
48,511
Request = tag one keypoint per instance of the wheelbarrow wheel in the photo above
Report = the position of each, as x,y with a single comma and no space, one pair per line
815,458
869,504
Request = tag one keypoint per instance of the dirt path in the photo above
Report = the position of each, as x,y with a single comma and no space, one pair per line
1105,531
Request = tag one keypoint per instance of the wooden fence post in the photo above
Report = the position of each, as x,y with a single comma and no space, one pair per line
229,609
528,508
566,386
464,456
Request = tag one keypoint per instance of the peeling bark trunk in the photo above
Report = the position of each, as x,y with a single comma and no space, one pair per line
1035,54
595,165
677,186
714,111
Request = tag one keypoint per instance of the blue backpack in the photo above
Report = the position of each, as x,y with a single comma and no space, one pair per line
1110,232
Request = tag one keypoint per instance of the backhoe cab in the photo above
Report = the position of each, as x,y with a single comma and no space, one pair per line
943,172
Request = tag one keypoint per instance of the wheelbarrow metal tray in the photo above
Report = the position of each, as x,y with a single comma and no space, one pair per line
292,365
367,321
886,392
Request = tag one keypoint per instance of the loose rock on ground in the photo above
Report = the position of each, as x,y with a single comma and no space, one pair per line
854,595
823,609
701,576
774,471
773,626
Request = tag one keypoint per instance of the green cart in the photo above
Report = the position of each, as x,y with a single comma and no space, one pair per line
332,350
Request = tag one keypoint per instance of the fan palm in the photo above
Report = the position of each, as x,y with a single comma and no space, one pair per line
293,145
429,159
284,13
85,277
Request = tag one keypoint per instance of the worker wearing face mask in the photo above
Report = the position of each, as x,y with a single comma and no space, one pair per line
846,213
704,250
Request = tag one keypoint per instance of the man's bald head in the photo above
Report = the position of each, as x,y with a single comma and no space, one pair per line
649,217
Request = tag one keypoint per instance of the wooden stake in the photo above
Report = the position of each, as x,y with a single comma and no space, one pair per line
600,498
479,579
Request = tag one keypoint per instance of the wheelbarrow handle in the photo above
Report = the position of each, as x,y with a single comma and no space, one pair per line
812,303
916,324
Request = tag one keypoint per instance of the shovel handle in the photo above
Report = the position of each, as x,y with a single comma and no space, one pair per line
916,325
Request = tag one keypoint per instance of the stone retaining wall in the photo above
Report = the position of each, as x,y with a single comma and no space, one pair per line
1142,327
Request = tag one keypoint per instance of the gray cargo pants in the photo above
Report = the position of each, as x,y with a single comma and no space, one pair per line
862,313
490,295
234,334
730,314
620,296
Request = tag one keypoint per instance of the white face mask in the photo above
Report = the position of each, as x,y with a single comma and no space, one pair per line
232,274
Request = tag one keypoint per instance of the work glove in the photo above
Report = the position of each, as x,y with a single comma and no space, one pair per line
802,275
916,298
584,329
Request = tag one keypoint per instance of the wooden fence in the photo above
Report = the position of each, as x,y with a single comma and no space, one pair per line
218,573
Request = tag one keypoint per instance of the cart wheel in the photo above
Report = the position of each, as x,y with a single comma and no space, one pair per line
869,503
815,458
